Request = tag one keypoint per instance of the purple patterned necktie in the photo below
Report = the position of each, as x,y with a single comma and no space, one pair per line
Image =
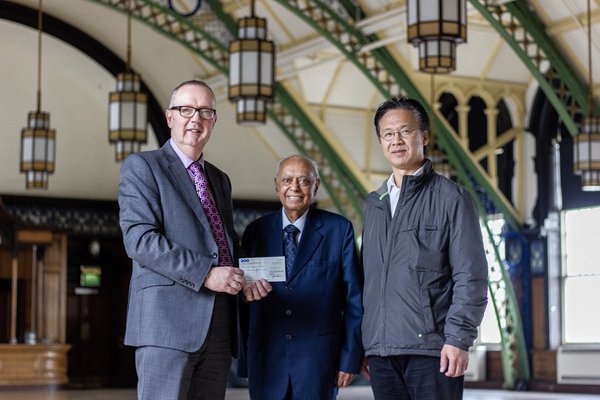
212,214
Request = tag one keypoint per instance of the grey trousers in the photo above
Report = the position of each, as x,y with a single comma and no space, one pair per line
169,374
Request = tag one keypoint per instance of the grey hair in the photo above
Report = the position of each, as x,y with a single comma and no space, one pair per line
312,164
193,82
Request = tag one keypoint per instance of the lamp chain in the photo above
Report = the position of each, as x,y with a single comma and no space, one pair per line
433,116
39,82
128,65
590,76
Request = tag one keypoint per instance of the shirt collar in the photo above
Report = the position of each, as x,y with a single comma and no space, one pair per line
185,159
298,224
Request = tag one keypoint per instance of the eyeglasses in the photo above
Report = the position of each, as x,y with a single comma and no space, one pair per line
404,133
302,181
189,111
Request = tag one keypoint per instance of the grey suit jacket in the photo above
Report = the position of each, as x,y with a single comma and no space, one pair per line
167,235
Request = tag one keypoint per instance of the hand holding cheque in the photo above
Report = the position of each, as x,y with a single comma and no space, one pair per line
258,272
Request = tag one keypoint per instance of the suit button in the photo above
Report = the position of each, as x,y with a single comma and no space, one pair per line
288,337
215,255
288,312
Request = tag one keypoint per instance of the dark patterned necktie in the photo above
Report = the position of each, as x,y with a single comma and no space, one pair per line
290,247
212,214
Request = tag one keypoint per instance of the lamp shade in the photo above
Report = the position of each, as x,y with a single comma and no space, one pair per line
127,116
38,151
435,27
251,71
586,153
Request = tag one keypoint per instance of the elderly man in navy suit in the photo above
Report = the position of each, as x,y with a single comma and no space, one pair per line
303,338
177,222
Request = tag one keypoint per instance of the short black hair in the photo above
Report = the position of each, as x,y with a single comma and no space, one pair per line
403,103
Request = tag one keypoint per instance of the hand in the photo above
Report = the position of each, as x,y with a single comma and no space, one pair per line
364,369
256,290
344,379
453,361
225,279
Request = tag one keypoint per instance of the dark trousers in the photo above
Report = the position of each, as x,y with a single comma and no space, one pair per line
412,377
170,374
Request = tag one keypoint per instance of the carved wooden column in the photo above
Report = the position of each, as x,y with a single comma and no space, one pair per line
39,259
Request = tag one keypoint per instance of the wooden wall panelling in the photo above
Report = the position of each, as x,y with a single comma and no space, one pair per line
53,293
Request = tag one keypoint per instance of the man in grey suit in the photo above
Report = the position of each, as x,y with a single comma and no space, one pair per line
177,222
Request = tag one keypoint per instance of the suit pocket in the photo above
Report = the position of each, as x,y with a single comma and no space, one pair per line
151,279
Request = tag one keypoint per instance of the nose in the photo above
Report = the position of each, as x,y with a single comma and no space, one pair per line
294,185
397,138
196,116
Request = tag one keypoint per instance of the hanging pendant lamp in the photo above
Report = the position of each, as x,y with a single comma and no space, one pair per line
127,109
586,146
38,150
251,70
435,27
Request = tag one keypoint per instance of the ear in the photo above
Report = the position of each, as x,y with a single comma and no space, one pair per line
276,187
169,117
317,183
425,138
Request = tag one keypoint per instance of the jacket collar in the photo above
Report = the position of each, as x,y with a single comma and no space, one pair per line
410,184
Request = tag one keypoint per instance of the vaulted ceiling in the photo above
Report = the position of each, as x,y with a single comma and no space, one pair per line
323,88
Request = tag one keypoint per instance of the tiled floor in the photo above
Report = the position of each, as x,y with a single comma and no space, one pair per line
351,393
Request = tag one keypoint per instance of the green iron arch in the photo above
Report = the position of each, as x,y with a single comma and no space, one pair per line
343,186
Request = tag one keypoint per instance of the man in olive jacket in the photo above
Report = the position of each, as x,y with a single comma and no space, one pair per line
425,268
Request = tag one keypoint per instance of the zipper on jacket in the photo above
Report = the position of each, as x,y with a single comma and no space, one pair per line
392,226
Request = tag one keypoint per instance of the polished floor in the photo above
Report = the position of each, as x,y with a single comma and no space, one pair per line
351,393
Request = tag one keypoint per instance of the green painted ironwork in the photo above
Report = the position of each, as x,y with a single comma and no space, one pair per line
345,190
526,35
388,76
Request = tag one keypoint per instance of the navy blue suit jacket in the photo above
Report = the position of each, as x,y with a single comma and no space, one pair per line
308,327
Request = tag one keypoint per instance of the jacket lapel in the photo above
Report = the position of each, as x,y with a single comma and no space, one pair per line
309,242
274,237
218,193
183,183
